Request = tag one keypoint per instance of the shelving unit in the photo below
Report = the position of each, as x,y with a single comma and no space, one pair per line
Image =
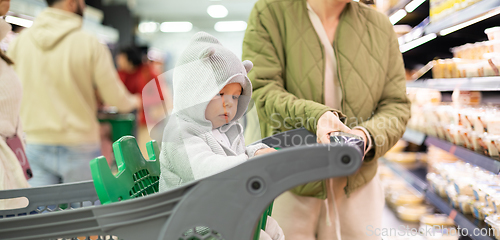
416,178
434,39
466,84
463,15
465,154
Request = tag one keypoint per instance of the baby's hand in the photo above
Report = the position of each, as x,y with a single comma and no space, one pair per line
264,151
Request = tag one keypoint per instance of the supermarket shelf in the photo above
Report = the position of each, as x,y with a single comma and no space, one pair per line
463,15
414,136
461,220
416,178
466,84
466,155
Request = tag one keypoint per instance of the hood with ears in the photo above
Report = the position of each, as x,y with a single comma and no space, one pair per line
203,69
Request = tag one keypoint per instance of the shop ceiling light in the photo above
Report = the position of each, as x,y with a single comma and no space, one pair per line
470,22
397,16
176,27
19,21
417,42
217,11
413,5
230,26
148,27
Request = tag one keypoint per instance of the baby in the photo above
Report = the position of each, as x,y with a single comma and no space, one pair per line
211,92
202,137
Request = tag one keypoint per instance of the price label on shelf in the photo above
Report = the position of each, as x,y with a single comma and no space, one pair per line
453,214
453,149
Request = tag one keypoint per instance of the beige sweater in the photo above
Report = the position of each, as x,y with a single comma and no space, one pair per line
11,174
61,67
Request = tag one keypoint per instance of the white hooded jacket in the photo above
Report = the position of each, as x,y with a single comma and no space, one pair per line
190,150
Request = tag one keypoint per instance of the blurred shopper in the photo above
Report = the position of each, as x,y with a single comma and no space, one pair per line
60,67
136,74
11,172
317,62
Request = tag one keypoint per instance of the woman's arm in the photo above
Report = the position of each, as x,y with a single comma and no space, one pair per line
388,123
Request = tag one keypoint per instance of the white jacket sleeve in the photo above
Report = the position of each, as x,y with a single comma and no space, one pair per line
204,162
109,85
251,149
273,229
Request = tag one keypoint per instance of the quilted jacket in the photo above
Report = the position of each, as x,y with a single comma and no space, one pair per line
288,77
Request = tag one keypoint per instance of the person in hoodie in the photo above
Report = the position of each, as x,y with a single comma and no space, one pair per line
61,67
203,137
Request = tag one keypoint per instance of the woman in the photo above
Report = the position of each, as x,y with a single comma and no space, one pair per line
11,172
328,65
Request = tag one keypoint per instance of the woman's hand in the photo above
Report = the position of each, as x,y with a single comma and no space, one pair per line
361,134
264,151
328,123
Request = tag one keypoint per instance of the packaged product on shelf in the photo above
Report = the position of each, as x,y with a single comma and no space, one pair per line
437,183
446,68
472,140
477,208
412,212
479,121
483,188
480,210
452,195
465,203
403,197
408,160
436,219
491,193
466,136
493,123
487,211
494,222
480,59
463,186
497,143
495,203
440,227
493,33
465,98
488,145
393,186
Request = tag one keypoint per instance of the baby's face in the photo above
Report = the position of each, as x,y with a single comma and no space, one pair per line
222,108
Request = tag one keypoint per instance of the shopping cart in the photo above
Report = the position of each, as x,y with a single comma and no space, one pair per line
224,206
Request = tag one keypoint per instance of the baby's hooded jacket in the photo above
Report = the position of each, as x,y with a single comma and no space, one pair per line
189,149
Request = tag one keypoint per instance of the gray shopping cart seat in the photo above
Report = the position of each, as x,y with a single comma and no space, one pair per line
228,204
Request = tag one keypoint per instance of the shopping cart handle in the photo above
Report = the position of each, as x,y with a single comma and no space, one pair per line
229,203
240,194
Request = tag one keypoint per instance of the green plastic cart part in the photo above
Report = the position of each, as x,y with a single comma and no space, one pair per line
121,124
136,176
